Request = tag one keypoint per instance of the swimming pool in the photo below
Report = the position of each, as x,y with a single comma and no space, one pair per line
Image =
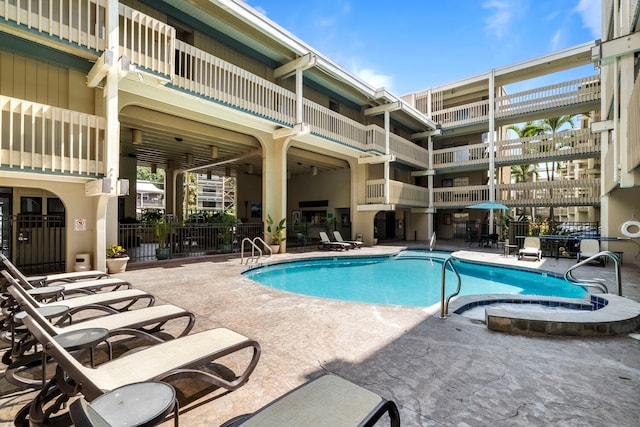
410,278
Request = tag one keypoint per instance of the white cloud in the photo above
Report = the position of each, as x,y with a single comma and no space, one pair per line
556,41
375,79
498,21
590,11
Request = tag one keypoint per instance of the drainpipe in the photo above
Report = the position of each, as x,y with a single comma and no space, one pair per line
492,154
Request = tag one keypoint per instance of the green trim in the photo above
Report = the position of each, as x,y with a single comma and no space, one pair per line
39,171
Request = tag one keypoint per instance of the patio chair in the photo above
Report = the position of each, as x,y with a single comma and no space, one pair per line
179,359
110,302
57,277
588,248
142,323
326,243
530,248
326,401
355,244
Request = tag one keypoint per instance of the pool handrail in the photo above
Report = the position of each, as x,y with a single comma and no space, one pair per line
254,247
595,282
444,302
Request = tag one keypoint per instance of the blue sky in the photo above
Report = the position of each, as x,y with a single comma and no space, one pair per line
411,45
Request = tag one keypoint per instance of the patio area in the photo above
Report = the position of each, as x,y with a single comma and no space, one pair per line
449,372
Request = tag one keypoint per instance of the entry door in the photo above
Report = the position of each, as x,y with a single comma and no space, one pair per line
5,223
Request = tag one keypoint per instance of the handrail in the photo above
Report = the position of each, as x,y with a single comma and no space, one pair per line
595,282
254,247
432,243
444,303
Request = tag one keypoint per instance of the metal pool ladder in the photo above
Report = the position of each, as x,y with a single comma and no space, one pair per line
254,248
595,282
444,302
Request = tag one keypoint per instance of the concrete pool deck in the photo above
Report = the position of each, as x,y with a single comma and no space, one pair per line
440,372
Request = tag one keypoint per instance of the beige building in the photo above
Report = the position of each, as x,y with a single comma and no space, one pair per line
95,88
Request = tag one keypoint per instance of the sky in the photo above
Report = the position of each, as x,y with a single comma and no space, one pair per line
412,45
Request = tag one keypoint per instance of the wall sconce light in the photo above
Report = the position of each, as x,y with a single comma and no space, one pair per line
250,169
214,152
209,174
154,168
189,157
314,170
136,136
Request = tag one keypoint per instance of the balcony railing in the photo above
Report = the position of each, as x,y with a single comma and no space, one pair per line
400,193
633,132
460,197
579,192
574,92
42,138
575,144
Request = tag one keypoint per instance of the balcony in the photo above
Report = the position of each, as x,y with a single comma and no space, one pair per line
400,193
575,144
45,139
579,92
460,197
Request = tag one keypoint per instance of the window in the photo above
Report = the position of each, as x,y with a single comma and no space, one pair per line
334,105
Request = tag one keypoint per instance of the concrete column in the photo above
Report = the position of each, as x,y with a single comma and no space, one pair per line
274,182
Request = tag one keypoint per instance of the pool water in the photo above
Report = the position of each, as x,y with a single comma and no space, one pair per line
411,278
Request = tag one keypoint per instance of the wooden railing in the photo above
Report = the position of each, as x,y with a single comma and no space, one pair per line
400,193
80,22
42,138
334,126
574,144
573,92
579,192
146,41
460,197
633,132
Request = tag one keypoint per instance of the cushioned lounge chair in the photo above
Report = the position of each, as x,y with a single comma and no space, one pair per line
589,248
84,286
530,248
178,359
326,243
325,401
355,244
138,323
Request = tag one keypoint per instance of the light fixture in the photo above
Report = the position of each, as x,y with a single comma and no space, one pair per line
314,170
209,174
154,168
250,169
136,136
189,158
214,152
177,138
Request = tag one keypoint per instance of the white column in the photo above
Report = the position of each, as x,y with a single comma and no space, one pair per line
492,151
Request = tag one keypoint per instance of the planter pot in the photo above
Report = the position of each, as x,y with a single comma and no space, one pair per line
163,253
117,265
275,248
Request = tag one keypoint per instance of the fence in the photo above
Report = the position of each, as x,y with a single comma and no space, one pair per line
186,240
562,239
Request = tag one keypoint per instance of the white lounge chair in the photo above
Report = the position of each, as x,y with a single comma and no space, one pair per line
530,248
326,243
139,323
56,277
589,248
179,359
355,244
326,401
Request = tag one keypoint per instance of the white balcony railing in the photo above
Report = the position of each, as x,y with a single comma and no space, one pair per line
80,22
460,197
41,138
461,156
579,192
400,193
467,114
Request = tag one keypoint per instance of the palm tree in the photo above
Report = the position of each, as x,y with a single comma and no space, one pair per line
553,125
524,173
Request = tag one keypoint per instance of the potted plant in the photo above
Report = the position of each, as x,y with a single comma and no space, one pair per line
117,259
276,233
162,230
228,229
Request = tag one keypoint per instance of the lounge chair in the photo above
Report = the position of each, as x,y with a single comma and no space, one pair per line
326,243
110,302
530,248
326,401
589,248
355,244
84,286
140,323
178,359
53,278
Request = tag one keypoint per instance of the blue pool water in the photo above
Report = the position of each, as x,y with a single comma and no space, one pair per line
411,278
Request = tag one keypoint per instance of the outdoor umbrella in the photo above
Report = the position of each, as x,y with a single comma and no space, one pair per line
491,206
